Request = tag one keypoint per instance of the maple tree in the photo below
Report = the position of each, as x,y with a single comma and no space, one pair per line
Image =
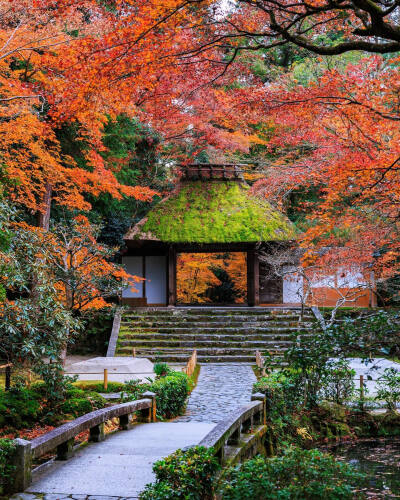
85,63
32,37
83,270
324,27
340,133
334,133
53,278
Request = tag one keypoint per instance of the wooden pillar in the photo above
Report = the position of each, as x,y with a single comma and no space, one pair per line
252,274
256,279
253,278
171,276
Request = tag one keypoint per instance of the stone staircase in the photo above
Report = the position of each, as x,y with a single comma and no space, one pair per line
219,334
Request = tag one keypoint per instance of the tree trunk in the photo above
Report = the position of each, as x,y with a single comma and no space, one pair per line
69,306
63,355
44,216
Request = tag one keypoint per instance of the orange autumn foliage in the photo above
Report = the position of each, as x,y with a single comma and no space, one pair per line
81,62
195,276
33,39
86,275
83,274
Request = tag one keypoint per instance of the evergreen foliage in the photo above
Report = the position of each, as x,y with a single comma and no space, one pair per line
171,391
7,447
183,475
297,474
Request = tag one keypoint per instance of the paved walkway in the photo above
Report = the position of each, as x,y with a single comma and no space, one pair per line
118,467
221,389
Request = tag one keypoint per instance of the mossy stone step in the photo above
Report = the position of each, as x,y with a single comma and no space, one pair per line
211,351
209,324
227,317
213,313
215,331
254,344
207,358
200,337
218,334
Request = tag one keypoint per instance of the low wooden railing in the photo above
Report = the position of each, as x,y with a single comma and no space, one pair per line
62,438
191,364
241,435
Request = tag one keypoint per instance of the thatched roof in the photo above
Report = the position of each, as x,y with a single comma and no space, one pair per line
213,211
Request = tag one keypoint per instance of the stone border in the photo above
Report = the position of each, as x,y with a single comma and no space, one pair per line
112,343
241,435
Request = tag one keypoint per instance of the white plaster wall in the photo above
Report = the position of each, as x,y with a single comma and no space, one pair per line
133,265
292,285
350,278
156,279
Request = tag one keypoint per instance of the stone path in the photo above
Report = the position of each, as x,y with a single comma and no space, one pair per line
221,389
119,467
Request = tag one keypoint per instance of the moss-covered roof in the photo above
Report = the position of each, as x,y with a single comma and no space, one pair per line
213,212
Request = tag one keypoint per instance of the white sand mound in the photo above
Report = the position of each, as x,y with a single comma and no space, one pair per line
120,369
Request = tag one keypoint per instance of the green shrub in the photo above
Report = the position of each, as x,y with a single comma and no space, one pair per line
22,407
76,407
389,388
6,449
96,400
75,393
337,382
161,369
171,393
299,474
19,407
54,386
79,404
184,474
99,387
135,388
283,391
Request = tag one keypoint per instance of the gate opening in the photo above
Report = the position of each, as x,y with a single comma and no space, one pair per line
211,278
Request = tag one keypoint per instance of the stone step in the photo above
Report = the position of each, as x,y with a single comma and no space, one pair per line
200,337
214,324
209,351
183,358
218,334
214,308
251,344
216,316
215,331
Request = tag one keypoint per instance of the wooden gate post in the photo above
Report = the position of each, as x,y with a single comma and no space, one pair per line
253,278
8,378
171,276
152,416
